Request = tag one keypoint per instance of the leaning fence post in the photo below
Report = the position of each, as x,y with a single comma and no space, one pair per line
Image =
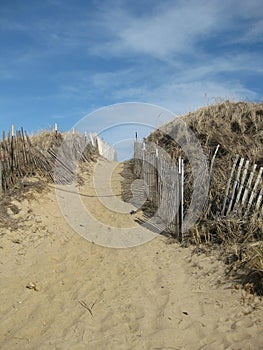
253,193
248,186
260,196
235,185
241,186
212,162
229,183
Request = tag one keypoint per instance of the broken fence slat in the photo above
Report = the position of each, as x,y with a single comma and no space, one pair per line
212,162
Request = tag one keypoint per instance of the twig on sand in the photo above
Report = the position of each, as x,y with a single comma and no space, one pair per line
169,347
84,304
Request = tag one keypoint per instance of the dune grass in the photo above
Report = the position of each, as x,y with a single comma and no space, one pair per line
238,128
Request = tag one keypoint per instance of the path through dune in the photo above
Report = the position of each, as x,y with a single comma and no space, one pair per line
61,291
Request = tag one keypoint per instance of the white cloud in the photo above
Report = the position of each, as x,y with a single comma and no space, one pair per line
174,29
242,63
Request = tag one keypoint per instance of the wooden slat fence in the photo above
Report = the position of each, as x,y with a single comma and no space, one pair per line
15,158
164,183
243,195
19,157
244,191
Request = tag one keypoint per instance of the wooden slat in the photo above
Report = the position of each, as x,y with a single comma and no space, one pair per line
254,190
229,184
234,188
241,185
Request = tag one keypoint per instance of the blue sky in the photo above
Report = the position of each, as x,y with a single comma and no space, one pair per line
61,60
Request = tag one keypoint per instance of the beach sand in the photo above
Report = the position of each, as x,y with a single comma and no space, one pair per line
61,291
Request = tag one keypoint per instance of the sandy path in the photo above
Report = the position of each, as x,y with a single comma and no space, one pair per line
153,296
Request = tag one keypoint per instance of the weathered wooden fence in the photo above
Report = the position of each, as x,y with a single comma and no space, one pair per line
50,154
16,158
244,190
20,156
59,163
165,185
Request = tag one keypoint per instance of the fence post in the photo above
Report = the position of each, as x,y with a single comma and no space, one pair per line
248,186
1,177
56,129
143,161
212,162
235,185
241,185
229,183
253,193
181,197
260,196
157,177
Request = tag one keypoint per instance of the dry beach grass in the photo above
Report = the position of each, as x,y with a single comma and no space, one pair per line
238,129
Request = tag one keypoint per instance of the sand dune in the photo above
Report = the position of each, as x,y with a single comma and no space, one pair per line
60,291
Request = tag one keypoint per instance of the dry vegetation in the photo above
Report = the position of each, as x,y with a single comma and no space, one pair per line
43,149
238,129
62,151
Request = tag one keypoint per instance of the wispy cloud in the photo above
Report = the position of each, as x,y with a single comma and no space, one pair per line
173,28
184,97
254,33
